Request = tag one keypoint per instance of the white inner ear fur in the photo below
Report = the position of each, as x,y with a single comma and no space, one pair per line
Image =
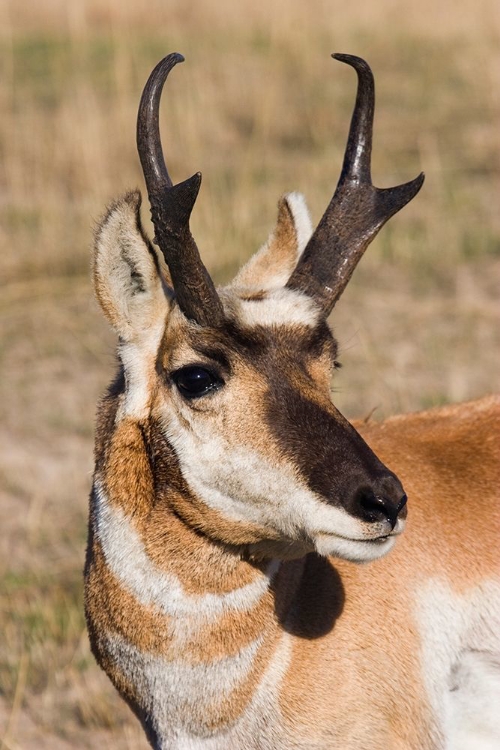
273,264
127,281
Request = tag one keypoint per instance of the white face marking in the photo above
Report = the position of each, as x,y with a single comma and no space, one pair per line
461,661
128,561
244,486
279,307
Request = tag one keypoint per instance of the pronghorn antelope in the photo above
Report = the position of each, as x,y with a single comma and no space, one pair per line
232,501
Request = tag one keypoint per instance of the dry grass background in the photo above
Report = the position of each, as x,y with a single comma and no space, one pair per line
260,108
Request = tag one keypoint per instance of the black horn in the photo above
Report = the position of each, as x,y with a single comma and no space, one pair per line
357,210
171,207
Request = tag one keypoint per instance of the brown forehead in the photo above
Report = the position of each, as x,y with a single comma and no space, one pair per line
257,345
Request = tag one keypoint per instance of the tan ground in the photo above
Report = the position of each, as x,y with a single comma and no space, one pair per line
260,109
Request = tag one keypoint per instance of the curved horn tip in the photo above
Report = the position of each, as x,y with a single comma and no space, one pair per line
355,62
175,58
163,68
167,63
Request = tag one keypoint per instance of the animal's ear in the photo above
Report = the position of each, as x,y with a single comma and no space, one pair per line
127,277
273,264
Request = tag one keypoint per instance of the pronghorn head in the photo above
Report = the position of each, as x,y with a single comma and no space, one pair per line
235,383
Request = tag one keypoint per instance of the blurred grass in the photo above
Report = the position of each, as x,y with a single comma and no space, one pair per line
260,109
68,143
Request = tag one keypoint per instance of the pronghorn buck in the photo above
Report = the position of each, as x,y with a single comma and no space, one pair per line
232,503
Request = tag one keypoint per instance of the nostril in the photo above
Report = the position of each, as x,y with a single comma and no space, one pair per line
372,506
377,508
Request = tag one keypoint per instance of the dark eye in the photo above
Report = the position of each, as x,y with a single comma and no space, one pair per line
194,381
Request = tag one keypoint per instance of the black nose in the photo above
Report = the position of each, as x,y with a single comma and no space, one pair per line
384,503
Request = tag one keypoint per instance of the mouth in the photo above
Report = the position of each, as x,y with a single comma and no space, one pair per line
375,540
355,549
383,537
396,531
